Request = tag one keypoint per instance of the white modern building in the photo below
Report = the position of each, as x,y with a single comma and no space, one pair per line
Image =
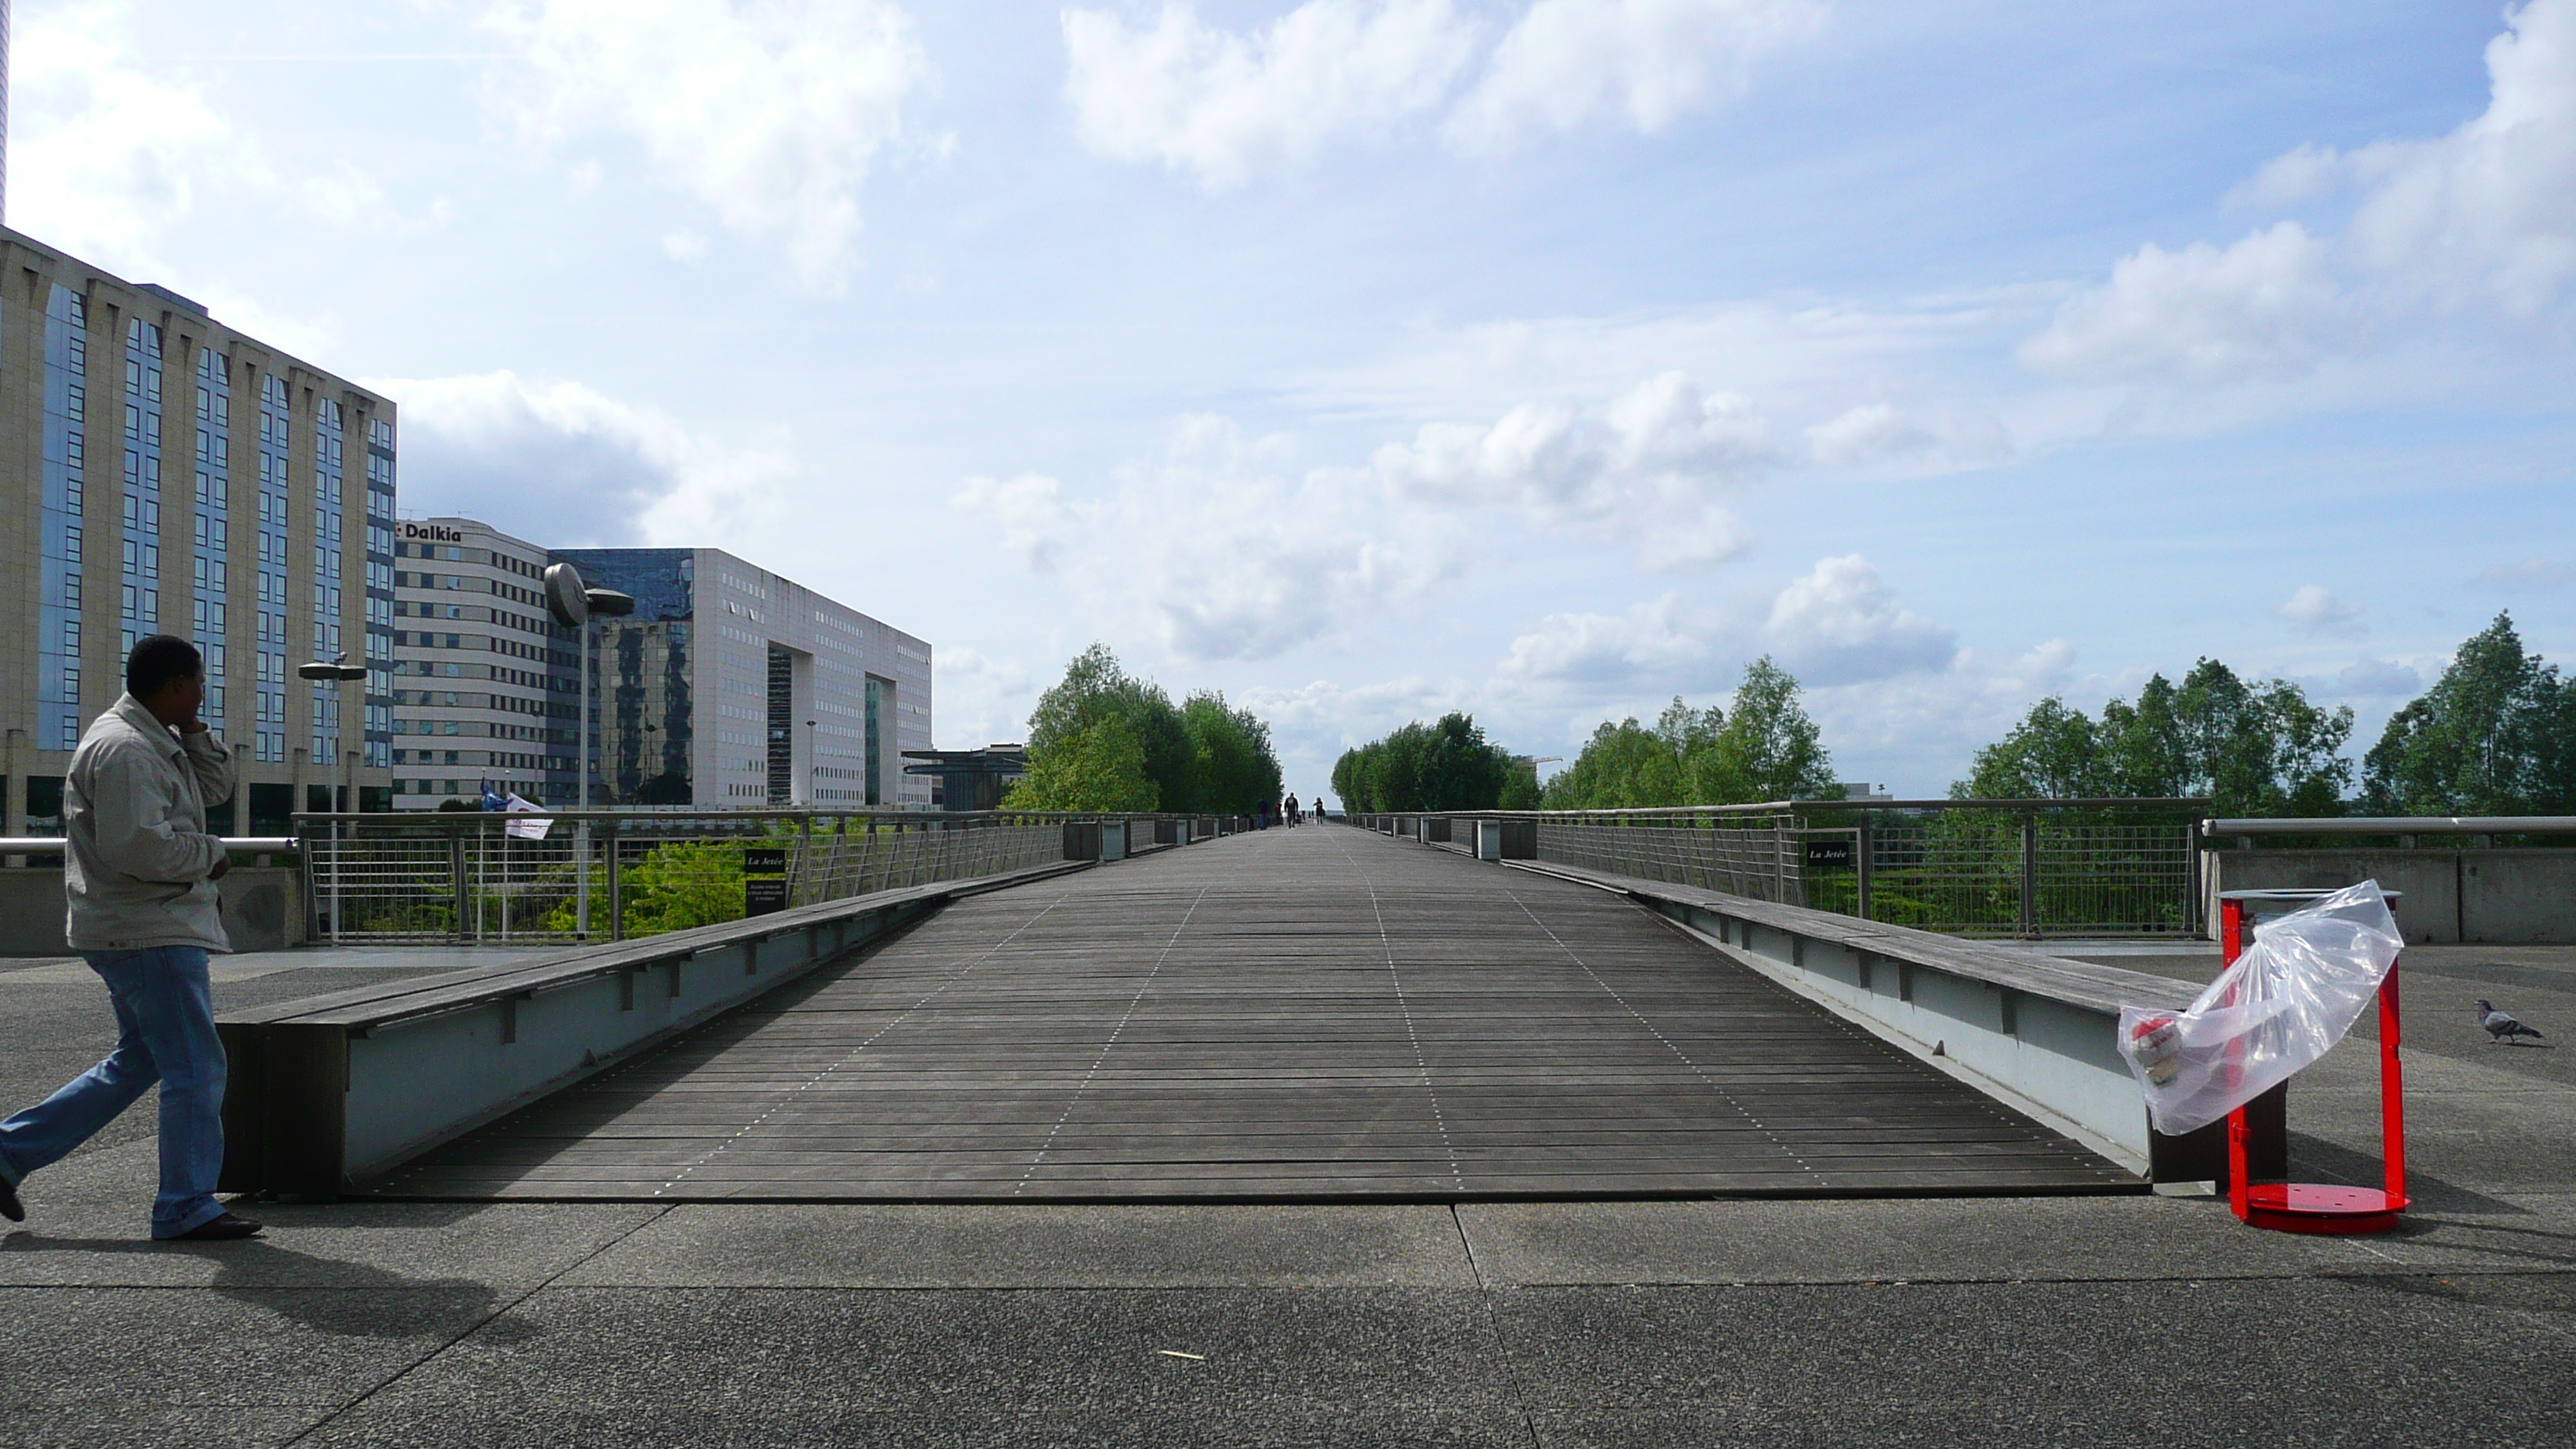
482,690
728,688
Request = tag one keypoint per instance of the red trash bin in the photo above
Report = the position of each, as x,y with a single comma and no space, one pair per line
2308,1207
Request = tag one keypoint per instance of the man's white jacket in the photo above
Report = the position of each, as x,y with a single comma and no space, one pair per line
134,810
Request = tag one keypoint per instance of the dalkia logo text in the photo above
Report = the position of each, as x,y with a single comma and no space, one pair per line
432,532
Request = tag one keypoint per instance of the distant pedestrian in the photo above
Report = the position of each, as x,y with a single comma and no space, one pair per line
1292,812
139,872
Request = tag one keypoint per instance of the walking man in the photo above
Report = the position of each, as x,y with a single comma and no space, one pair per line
140,871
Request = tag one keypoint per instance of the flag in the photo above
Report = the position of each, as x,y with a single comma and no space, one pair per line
524,829
491,796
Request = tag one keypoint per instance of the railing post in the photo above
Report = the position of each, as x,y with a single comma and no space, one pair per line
2030,875
581,881
456,879
1860,866
616,888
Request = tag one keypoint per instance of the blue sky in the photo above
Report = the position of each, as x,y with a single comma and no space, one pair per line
1371,358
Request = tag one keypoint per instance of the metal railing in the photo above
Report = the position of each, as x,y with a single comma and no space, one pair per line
2015,868
2404,830
465,876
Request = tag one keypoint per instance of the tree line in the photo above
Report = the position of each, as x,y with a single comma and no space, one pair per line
2495,735
1761,745
1102,739
1445,766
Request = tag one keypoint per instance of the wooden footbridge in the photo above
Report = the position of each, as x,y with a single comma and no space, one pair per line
1319,1013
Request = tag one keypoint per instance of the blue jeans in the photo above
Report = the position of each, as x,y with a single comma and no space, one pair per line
166,1033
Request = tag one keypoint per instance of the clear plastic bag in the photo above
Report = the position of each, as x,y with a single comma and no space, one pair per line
2288,999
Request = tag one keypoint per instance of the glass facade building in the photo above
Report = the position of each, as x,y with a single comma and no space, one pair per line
230,524
728,687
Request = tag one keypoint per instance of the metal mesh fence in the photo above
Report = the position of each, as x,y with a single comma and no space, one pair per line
465,877
1963,867
1743,856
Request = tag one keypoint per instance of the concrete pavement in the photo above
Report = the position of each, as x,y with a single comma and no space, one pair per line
2038,1320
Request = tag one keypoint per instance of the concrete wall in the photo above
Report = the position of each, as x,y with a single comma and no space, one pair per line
2492,897
263,909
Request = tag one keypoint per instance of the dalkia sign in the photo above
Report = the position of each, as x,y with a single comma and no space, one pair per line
432,533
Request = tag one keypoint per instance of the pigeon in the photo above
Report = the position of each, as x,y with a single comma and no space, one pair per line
2500,1027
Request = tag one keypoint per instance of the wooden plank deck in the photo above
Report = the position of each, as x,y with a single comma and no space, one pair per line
1315,1014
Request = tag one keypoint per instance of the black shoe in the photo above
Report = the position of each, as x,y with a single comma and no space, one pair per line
216,1230
10,1208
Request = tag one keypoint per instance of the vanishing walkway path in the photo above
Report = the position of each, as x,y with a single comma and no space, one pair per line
1318,1013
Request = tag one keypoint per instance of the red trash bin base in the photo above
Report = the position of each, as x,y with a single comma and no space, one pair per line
2308,1207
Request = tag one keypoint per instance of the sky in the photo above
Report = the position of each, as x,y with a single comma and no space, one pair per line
1369,359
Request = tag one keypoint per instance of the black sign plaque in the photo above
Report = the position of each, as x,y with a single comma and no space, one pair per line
1829,855
763,894
764,860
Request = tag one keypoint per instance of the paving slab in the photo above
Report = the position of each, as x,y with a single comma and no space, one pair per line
2260,1361
1036,1246
95,1357
695,1367
397,1247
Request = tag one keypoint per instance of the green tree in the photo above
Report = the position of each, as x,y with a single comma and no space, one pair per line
1768,749
1233,768
1764,748
2253,749
1447,765
1095,688
2054,753
2495,735
1100,767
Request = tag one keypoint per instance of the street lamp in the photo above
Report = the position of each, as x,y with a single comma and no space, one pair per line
572,603
813,766
337,669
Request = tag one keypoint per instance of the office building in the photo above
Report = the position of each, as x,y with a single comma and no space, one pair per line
483,691
728,688
163,473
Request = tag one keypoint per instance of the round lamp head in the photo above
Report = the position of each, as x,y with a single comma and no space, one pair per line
609,603
317,671
566,599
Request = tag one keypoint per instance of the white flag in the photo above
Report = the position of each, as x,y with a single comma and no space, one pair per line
525,829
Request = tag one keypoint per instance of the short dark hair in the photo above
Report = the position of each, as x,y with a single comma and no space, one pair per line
159,660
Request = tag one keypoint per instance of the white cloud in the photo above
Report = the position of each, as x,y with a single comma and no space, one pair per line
685,246
107,152
1879,437
2489,211
1226,553
1841,625
1223,105
2269,305
1645,471
772,113
2316,609
559,464
1643,62
2483,218
2529,572
1030,510
2378,679
1654,642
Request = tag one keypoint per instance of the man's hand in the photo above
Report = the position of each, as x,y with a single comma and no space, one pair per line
222,862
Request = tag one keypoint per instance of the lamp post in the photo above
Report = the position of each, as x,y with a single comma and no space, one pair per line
813,766
336,668
572,603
